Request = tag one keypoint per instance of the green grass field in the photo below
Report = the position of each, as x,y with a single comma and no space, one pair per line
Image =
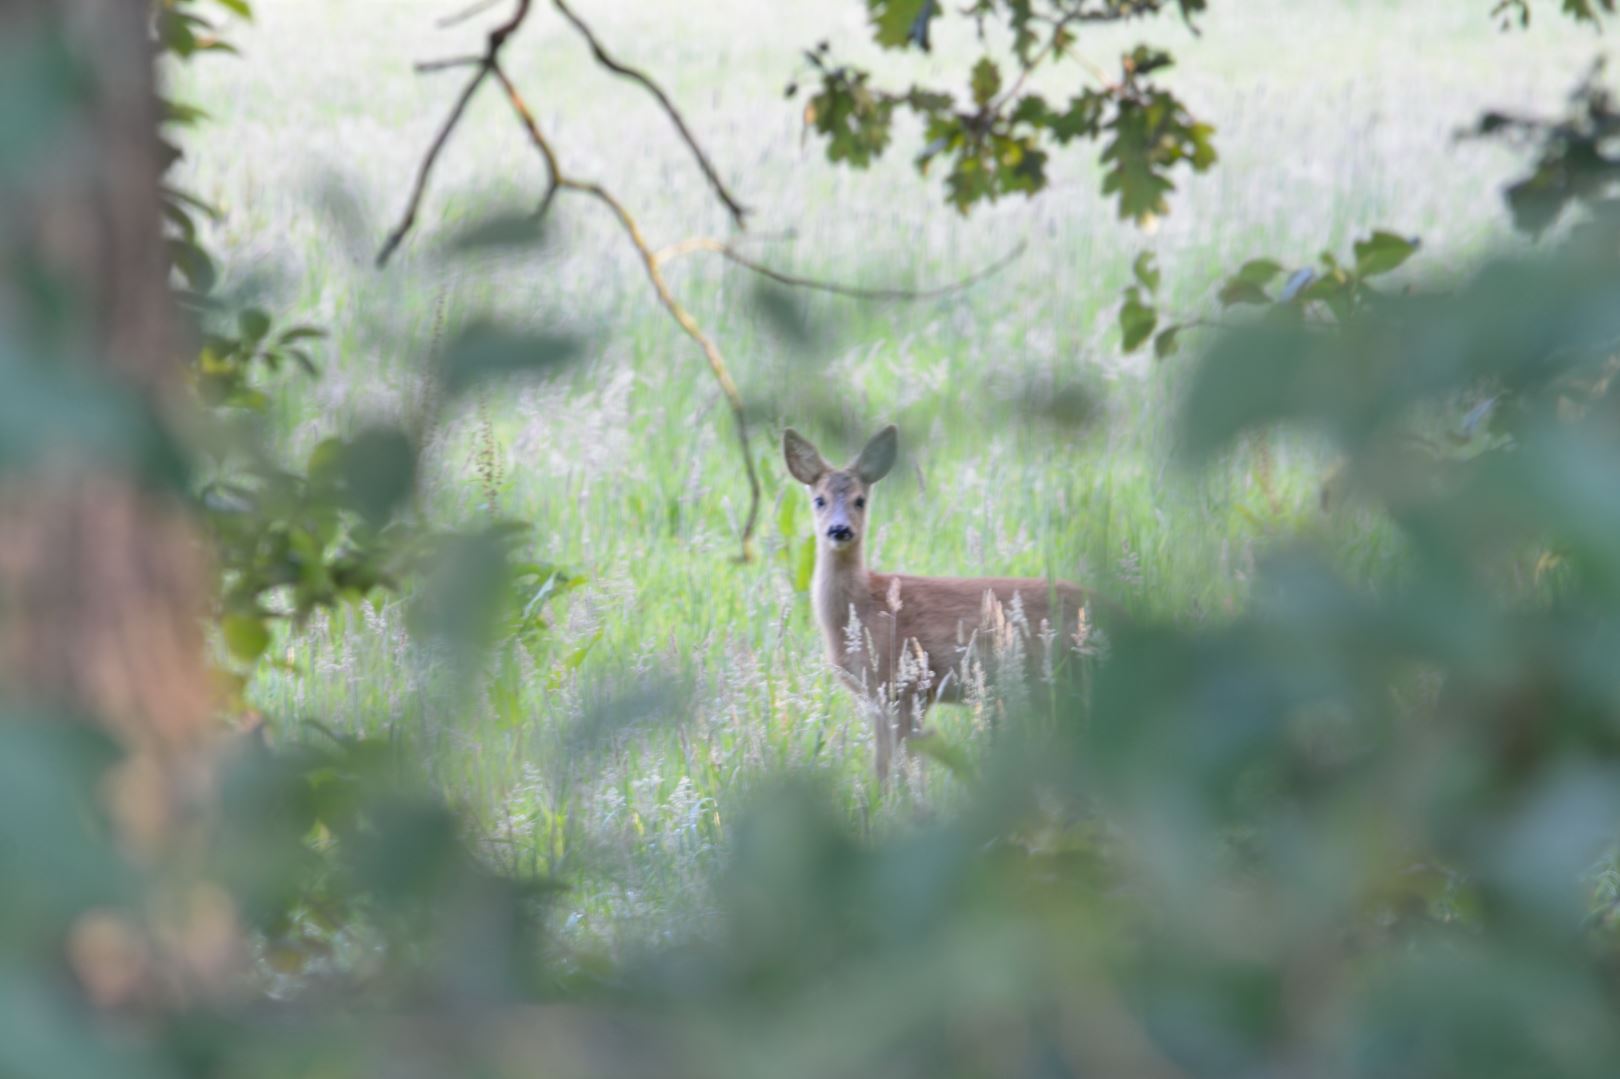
626,467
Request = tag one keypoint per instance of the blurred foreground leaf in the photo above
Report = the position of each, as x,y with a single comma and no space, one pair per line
484,352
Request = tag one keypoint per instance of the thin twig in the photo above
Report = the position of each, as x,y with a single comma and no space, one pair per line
405,223
652,261
492,48
1034,62
1046,51
468,12
726,250
655,274
422,67
498,36
738,211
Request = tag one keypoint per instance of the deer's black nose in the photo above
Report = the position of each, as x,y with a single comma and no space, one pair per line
840,533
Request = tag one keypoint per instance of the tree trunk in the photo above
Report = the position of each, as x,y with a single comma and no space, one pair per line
103,580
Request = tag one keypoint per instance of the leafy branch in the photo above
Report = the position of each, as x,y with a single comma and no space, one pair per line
1574,167
1576,160
998,141
1322,296
483,64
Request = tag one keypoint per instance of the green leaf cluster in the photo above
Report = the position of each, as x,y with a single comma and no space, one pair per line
998,138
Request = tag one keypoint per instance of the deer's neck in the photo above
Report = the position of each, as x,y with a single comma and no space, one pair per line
840,585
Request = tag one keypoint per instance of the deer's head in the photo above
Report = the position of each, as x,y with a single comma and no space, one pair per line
839,495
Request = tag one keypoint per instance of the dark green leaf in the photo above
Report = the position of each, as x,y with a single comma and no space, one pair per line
254,324
1260,272
1082,119
322,464
986,81
1586,10
897,24
509,231
378,472
1136,320
1144,60
185,198
460,601
175,34
1253,377
855,120
182,115
181,220
1146,271
1166,344
953,758
304,360
193,263
245,635
785,312
1239,291
1382,252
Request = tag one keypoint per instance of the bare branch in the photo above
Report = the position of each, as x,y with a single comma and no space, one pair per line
404,226
738,211
650,262
497,38
728,251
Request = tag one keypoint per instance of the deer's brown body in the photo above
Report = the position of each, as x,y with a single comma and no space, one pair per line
903,643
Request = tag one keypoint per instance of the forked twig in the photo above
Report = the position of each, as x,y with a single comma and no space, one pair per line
492,48
558,180
738,211
488,63
405,222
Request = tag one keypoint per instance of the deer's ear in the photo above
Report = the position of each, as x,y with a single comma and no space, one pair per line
878,456
803,459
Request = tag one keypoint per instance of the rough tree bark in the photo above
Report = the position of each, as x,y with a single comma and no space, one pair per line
102,579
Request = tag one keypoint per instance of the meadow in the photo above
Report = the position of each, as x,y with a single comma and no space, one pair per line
693,677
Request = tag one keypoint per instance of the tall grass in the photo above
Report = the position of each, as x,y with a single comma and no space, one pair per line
673,679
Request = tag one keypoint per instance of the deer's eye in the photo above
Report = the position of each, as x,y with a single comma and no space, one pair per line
821,503
860,503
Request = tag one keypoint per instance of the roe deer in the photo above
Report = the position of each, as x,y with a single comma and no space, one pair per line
899,642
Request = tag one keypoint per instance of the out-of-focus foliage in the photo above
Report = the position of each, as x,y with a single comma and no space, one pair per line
995,140
1351,831
1577,161
1517,12
1322,296
290,541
